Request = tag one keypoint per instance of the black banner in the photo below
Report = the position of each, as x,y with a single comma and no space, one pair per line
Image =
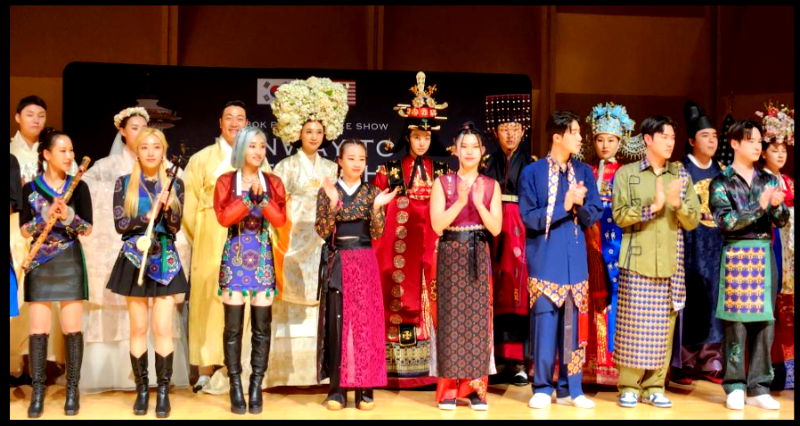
186,102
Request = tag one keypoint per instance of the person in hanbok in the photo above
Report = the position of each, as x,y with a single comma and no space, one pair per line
700,331
653,201
509,118
611,128
405,250
135,196
778,124
106,314
57,272
207,239
350,215
558,201
466,211
247,202
310,115
747,203
31,117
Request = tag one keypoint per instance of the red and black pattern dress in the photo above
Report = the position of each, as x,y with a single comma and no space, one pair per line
464,342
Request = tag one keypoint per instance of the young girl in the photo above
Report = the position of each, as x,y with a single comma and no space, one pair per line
350,215
247,201
134,197
465,208
58,272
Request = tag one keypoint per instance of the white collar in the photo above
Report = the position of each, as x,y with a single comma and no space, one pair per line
226,147
697,163
347,189
20,141
239,188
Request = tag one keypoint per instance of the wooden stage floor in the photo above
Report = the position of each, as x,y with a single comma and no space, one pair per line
702,400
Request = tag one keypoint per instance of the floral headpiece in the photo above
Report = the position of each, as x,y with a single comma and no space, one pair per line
778,124
317,99
127,112
614,119
423,109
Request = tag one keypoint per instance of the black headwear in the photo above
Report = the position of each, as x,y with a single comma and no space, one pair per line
696,119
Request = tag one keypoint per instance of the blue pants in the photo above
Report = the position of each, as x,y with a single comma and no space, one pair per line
547,336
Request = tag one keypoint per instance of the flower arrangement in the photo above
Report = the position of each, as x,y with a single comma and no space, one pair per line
778,123
127,112
318,99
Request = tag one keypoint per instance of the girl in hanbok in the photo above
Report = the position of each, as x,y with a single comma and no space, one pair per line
466,210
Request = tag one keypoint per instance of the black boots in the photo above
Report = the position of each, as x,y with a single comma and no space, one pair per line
37,354
139,367
74,343
364,399
163,375
261,322
232,351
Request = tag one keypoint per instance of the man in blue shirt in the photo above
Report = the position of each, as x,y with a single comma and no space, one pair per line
558,199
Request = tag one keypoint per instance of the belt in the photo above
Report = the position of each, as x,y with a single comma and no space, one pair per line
509,198
473,237
351,243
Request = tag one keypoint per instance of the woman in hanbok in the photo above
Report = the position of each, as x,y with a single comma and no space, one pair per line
135,196
350,215
106,313
57,272
303,121
247,201
466,210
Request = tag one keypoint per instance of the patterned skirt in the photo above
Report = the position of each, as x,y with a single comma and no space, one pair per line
464,309
363,356
642,321
247,263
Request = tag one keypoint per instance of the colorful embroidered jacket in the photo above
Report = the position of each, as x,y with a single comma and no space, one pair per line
736,209
38,196
163,263
239,211
556,245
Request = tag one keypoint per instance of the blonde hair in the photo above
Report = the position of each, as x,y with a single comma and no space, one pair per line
131,206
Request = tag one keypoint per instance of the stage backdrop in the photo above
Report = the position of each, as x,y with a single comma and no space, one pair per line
186,102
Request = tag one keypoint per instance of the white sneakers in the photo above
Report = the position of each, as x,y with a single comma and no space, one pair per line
581,401
735,400
540,400
765,401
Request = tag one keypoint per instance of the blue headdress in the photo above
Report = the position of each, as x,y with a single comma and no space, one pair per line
614,119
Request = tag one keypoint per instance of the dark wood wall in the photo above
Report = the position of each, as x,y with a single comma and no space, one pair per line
649,58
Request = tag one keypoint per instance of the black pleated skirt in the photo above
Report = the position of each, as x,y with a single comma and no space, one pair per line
124,276
60,278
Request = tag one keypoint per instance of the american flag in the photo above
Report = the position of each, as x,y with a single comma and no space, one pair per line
351,90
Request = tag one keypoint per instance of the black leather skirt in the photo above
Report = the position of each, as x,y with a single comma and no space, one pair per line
60,278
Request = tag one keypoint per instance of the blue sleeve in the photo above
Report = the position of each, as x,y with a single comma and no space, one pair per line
532,209
592,209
